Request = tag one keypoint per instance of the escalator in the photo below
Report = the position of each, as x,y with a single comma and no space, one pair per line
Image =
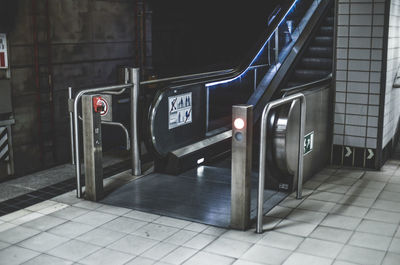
191,149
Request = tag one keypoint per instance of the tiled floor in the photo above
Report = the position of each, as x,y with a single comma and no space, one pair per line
346,217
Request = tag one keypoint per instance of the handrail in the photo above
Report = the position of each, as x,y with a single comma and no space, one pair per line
124,129
263,151
299,88
224,76
175,78
109,90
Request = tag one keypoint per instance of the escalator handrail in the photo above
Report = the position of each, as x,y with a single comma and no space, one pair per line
296,89
225,76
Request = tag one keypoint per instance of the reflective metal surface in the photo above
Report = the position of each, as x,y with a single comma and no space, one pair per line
285,133
263,151
120,89
242,143
135,149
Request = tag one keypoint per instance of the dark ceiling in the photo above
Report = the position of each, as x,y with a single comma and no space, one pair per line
210,34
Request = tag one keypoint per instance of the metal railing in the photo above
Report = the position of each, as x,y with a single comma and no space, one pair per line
74,118
263,151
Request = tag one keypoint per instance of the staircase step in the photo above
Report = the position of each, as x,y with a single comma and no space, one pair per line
316,63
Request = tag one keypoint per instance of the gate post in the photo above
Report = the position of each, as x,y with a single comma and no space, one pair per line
242,143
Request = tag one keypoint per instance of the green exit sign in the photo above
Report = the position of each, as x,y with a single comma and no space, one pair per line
308,143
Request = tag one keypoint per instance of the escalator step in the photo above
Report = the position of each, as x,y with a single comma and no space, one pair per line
310,75
329,21
320,51
326,31
316,63
323,41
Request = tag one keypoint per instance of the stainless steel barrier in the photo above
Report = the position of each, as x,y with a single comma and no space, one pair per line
74,117
263,150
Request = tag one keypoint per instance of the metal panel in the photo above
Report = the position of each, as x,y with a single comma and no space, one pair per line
92,150
286,126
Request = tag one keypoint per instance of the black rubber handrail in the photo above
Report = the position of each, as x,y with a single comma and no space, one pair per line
292,90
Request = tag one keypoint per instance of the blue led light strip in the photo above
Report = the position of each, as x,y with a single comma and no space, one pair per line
255,58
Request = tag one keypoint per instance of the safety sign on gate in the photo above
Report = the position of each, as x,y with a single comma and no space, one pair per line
3,51
179,110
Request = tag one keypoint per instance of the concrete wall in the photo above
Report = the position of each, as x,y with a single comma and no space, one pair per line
89,40
359,53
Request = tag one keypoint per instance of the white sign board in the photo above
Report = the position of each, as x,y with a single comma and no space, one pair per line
179,110
3,51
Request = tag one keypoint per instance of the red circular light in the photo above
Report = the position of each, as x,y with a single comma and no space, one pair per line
239,123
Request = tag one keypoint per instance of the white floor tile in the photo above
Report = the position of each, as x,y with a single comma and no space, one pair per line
361,255
124,225
181,237
306,216
295,228
280,240
17,234
340,221
372,241
349,210
391,259
43,242
202,258
395,246
200,241
263,254
141,261
314,205
101,236
383,216
331,234
12,216
45,259
94,218
70,229
196,227
279,212
134,245
106,257
305,259
113,210
228,247
70,212
73,250
179,255
155,231
16,255
317,247
44,223
246,236
386,205
159,251
374,227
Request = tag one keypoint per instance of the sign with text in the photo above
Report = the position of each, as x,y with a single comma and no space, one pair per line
3,51
308,143
179,110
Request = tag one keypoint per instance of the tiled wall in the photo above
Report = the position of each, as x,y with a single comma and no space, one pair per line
359,52
392,95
